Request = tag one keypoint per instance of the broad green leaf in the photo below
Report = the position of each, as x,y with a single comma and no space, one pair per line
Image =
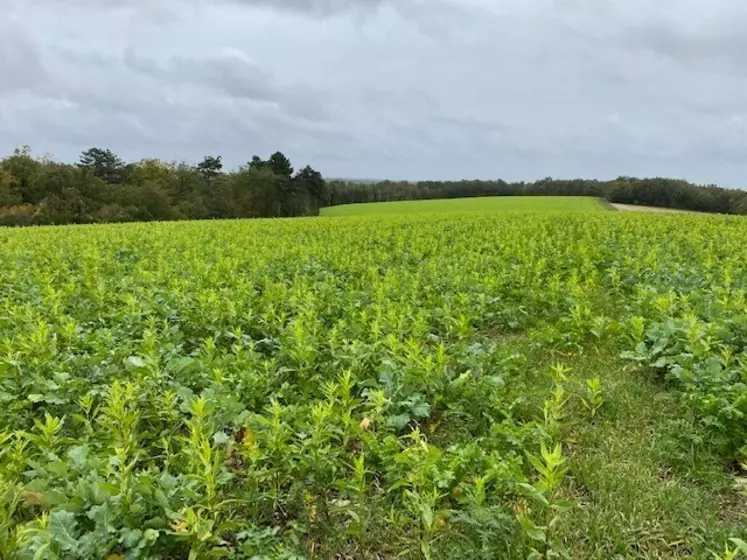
63,529
134,362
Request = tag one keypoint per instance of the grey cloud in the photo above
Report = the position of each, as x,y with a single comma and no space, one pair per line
385,88
724,43
316,6
20,63
172,7
303,5
179,108
682,30
233,74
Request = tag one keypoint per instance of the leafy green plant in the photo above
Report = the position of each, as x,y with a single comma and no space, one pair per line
740,548
354,387
553,409
550,469
593,400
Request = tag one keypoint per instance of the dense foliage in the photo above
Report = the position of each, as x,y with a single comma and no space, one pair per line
668,193
103,188
339,388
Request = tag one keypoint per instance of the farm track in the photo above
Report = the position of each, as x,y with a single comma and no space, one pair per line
655,209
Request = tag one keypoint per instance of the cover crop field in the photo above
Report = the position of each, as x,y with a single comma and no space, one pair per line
476,204
472,386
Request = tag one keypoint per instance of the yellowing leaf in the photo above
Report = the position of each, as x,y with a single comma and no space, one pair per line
249,439
32,498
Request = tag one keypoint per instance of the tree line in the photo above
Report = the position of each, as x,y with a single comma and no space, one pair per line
669,193
103,188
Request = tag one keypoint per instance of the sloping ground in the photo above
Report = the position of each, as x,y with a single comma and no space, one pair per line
463,205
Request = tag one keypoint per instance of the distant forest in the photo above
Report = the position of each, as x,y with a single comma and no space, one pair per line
102,188
668,193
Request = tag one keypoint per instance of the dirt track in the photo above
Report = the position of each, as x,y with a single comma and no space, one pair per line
634,208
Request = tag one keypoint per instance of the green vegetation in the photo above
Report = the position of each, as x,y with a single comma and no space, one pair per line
665,193
102,188
471,385
479,204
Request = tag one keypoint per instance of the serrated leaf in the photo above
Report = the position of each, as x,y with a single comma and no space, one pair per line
78,455
399,421
103,516
421,410
221,438
62,528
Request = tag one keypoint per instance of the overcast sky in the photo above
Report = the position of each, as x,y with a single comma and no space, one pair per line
410,89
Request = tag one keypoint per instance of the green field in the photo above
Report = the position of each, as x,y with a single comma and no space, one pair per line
436,386
463,205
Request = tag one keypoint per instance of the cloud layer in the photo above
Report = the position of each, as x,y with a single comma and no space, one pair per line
411,89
